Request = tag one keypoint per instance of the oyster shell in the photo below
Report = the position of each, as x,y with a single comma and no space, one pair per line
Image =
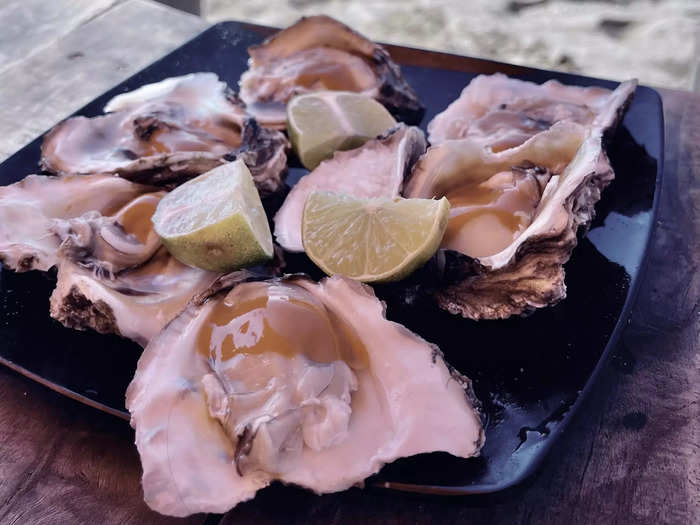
165,133
31,209
376,169
292,380
318,53
114,275
518,196
502,112
135,303
519,217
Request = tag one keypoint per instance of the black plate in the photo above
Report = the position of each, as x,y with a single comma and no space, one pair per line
531,373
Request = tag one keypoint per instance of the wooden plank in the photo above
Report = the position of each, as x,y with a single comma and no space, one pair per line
62,462
29,26
56,81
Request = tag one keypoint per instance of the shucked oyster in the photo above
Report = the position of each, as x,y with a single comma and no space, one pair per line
31,208
135,303
516,208
320,53
165,133
513,218
114,275
502,112
291,380
376,169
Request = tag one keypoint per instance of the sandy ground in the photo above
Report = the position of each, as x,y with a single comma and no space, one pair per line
653,40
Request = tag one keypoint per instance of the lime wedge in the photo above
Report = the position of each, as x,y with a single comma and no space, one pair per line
215,221
372,240
322,122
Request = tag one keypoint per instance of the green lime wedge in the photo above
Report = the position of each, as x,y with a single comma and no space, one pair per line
323,122
372,240
215,221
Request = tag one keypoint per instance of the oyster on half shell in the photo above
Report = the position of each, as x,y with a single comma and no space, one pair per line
320,53
115,276
165,133
515,211
376,169
32,209
306,383
502,112
513,218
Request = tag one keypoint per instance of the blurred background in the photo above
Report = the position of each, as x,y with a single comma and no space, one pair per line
654,40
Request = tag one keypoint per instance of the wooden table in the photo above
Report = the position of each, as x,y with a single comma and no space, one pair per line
632,455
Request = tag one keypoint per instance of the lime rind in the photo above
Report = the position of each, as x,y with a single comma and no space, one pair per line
216,221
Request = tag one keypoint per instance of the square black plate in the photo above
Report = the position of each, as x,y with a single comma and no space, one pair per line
530,373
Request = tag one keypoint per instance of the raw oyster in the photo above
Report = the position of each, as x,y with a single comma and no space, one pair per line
377,169
514,217
108,245
31,208
114,275
135,303
165,133
320,53
291,380
502,112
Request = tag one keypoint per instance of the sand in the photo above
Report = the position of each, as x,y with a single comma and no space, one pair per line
654,41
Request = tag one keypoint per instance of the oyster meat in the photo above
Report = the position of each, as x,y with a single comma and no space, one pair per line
291,380
320,53
502,112
165,133
514,217
376,169
32,208
114,275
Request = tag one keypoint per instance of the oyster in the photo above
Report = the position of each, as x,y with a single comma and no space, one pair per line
518,194
165,133
135,303
114,275
514,217
108,245
31,209
291,380
502,112
376,169
320,53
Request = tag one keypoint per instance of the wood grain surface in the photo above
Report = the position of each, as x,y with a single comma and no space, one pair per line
67,74
631,454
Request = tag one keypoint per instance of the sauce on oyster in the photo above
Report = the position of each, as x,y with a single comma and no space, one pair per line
486,217
135,217
289,321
